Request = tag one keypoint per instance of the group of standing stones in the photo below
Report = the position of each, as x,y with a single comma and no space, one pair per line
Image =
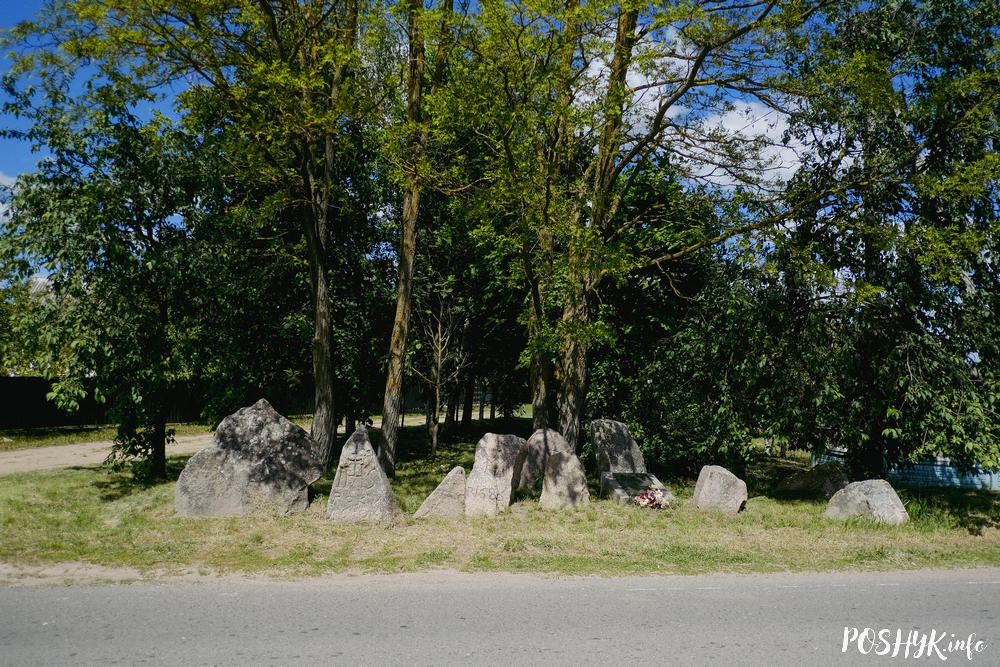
259,460
503,465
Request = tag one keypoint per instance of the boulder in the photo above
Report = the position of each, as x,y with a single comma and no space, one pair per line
447,501
258,460
873,499
565,483
821,481
623,487
530,464
489,488
717,488
361,491
615,449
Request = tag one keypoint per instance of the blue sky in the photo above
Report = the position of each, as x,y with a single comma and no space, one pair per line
15,156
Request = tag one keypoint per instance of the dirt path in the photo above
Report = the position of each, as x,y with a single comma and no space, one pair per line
94,453
83,454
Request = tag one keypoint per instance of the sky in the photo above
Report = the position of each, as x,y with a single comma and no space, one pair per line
15,156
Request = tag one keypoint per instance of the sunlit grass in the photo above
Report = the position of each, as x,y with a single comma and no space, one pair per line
96,516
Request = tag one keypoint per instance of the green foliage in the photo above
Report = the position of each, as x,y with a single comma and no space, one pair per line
683,371
586,217
98,230
903,112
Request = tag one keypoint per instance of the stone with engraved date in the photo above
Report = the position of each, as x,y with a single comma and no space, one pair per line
489,488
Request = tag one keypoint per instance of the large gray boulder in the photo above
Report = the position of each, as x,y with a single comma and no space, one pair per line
489,488
447,501
873,499
361,491
530,464
615,448
258,460
717,488
820,481
565,483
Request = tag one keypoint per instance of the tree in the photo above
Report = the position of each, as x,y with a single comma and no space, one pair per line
285,88
440,327
102,221
591,98
412,159
904,105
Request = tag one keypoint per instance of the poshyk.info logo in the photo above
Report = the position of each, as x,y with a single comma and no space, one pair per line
899,643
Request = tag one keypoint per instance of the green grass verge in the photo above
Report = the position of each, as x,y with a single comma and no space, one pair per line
95,516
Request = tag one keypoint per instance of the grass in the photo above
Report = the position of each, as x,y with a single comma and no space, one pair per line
92,515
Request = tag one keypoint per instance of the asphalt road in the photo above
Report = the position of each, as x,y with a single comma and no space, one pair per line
457,619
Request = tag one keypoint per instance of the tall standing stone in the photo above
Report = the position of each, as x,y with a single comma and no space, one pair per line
565,483
530,464
616,450
717,488
361,492
872,499
258,460
447,501
489,489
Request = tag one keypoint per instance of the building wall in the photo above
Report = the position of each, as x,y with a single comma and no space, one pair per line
930,473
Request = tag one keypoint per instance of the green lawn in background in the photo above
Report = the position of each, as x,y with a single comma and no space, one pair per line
13,439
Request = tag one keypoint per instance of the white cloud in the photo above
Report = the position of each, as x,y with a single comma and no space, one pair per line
760,129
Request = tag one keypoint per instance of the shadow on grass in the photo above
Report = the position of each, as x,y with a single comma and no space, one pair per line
764,474
931,507
116,485
936,507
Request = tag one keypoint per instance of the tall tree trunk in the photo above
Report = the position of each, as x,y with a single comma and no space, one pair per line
541,375
470,390
450,417
542,381
432,418
411,208
573,370
407,245
324,425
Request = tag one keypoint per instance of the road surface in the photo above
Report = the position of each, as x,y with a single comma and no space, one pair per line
460,619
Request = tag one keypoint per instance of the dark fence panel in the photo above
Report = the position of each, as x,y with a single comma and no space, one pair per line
23,404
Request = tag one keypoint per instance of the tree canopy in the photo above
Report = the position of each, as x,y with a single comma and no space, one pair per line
714,220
